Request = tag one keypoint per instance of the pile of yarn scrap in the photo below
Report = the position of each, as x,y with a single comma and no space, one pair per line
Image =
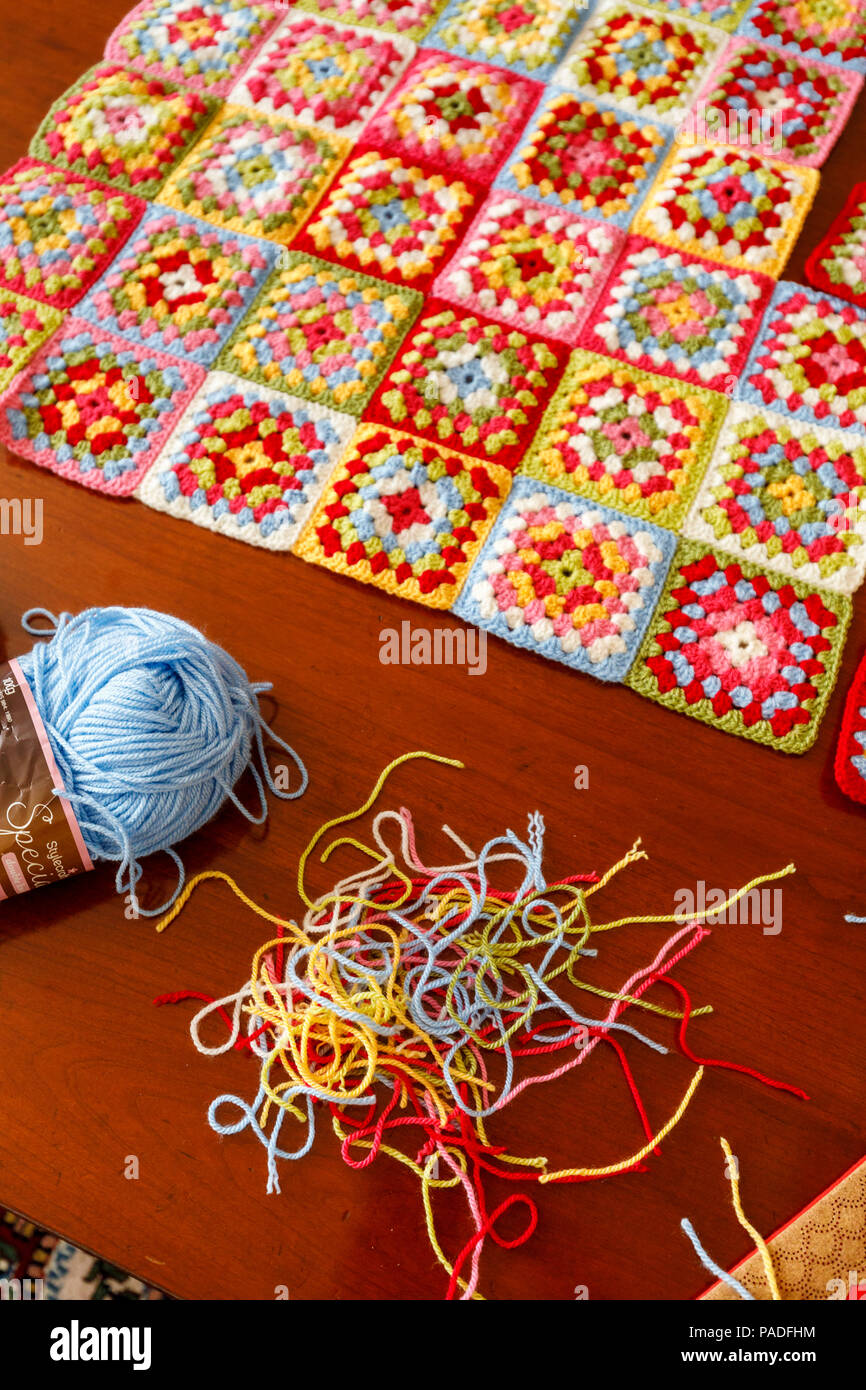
412,1004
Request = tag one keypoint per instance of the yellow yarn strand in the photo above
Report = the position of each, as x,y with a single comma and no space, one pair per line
766,1258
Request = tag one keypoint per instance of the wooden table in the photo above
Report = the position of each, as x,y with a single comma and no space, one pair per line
91,1072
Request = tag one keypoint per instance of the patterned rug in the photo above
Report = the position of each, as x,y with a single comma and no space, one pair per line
47,1267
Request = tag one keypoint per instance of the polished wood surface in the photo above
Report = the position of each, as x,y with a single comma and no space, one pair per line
91,1072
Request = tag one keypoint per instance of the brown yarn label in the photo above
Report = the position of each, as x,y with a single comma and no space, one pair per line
40,839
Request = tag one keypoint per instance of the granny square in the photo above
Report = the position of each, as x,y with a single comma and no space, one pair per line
724,14
834,29
202,45
24,326
571,580
119,126
457,114
626,438
778,104
669,312
405,515
809,359
321,332
748,652
246,462
386,215
838,263
412,18
531,266
330,75
94,408
251,173
470,384
587,158
787,495
179,284
729,205
58,232
528,37
850,764
646,62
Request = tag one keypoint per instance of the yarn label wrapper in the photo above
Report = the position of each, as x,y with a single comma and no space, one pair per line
40,839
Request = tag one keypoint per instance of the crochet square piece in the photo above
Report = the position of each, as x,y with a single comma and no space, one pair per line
586,158
179,285
253,174
531,266
411,18
59,232
321,332
456,113
778,104
329,75
787,495
645,62
668,312
838,263
469,383
247,462
389,217
203,45
750,653
724,14
620,436
833,29
729,205
405,515
568,579
122,128
25,325
528,37
94,408
850,764
809,358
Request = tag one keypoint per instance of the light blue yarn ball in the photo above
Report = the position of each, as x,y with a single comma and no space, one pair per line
151,725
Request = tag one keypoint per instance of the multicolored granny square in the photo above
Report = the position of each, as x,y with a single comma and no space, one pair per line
748,652
724,14
203,45
330,75
528,36
570,580
24,326
470,384
641,60
179,284
586,158
810,359
787,495
456,113
57,233
321,332
834,29
618,435
729,205
94,408
405,515
388,216
251,173
668,312
247,462
850,762
121,127
838,263
531,266
777,104
411,18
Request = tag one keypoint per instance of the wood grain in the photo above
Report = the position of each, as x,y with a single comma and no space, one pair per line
91,1072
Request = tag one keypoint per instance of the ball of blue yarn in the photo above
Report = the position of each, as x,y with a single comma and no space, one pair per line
151,725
